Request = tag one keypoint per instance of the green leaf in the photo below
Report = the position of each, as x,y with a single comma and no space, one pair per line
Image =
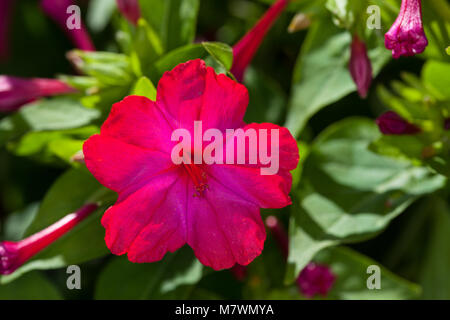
221,52
33,286
17,222
179,23
147,48
153,12
177,56
436,76
111,69
321,75
348,193
351,273
144,87
172,278
85,241
45,146
267,99
436,263
56,114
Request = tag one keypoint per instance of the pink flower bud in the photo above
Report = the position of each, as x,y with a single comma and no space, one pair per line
279,234
5,17
130,10
15,92
245,49
360,66
14,254
57,11
406,36
390,123
315,280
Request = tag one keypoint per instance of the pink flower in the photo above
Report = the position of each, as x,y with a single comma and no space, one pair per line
15,92
15,254
315,280
57,11
130,9
390,123
163,206
245,49
5,17
406,36
360,66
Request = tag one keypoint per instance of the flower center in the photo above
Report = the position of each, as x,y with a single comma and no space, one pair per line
198,176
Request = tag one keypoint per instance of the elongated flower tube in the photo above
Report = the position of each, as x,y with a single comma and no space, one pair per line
15,92
58,11
406,36
130,10
390,123
14,254
360,66
315,280
245,49
5,17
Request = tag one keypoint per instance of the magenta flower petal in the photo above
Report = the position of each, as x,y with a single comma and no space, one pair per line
14,254
15,92
360,66
57,11
407,36
5,19
315,280
245,49
130,10
390,123
161,205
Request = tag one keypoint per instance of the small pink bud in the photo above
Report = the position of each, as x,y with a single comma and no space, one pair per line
360,66
15,92
406,36
315,280
245,49
279,234
57,11
130,10
390,123
14,254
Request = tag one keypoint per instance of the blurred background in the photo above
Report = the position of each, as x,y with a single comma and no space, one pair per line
413,249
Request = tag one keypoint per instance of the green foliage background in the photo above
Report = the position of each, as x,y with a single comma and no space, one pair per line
360,198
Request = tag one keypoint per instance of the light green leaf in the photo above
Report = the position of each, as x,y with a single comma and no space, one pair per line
56,114
350,269
221,52
144,87
348,193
